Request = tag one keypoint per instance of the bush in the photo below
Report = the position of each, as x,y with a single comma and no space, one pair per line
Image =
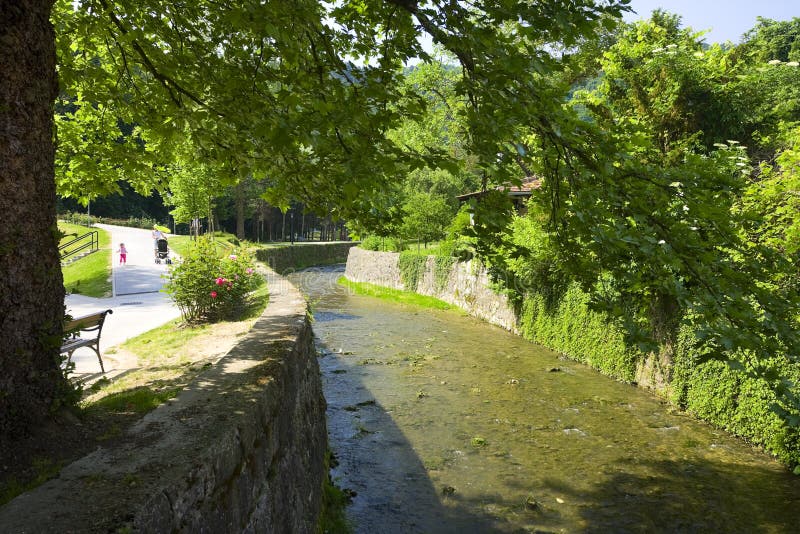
384,244
206,287
89,220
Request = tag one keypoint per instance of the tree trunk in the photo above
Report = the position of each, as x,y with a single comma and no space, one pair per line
31,286
240,210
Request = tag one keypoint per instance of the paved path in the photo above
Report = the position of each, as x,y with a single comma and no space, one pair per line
138,304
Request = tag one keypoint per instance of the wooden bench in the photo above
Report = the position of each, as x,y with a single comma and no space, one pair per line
88,323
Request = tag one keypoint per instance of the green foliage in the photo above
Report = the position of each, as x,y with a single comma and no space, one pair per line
442,267
426,217
83,219
412,267
772,40
384,244
567,325
207,287
90,276
772,203
741,402
193,189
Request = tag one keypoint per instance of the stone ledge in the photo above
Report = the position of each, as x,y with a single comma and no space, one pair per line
239,450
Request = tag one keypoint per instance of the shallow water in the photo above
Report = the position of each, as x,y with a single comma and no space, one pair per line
443,423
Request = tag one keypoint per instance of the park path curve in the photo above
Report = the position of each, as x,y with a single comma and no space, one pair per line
138,302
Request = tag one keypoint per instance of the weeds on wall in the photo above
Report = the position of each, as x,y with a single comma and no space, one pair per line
412,266
442,267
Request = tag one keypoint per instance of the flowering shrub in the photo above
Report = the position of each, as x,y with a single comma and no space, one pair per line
207,287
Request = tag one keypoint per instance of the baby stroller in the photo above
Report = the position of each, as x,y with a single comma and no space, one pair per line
162,251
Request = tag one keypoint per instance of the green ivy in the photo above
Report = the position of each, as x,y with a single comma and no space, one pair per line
569,327
412,266
743,403
441,271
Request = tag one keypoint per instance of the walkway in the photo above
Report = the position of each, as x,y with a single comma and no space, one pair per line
138,304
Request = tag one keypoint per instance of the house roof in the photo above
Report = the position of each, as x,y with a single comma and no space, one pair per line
525,189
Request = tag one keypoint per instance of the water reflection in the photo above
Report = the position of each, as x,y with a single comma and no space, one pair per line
442,424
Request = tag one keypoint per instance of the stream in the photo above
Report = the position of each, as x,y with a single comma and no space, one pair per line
443,423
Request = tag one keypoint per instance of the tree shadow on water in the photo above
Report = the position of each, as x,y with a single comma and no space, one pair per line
690,496
393,492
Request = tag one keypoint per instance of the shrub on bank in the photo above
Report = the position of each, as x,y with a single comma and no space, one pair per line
207,287
384,244
88,220
286,258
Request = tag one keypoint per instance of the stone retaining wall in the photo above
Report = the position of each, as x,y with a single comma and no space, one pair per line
467,285
241,449
301,255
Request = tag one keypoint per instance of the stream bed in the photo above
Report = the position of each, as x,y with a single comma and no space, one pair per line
443,423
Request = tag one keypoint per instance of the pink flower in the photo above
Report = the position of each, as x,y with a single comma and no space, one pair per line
220,281
232,256
249,270
213,294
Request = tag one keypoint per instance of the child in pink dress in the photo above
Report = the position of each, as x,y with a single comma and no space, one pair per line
123,254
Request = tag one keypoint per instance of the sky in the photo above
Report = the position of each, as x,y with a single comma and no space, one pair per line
727,20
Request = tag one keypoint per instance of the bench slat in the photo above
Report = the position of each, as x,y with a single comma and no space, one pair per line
88,323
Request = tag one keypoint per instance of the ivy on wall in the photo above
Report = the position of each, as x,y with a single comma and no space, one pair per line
412,266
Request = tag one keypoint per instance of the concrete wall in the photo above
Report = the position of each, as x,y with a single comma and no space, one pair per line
241,449
467,286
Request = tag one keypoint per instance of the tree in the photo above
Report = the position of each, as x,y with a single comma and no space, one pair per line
31,288
193,189
426,217
648,220
206,71
772,40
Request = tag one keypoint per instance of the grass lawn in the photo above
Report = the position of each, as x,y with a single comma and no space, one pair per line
421,250
225,243
395,295
90,276
168,358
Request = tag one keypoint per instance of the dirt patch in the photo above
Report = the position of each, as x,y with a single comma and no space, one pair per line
70,435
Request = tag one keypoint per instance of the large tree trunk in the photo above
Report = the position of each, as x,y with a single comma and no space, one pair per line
31,287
